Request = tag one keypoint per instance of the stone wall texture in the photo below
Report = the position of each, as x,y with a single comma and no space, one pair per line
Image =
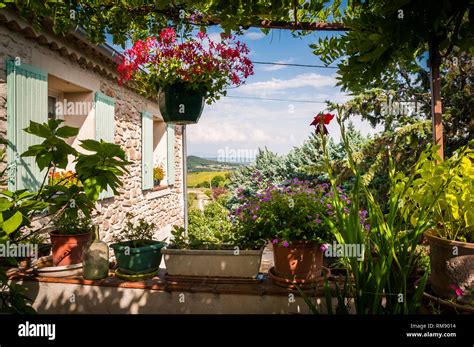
164,208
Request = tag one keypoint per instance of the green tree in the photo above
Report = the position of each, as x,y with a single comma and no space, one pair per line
217,181
376,105
304,162
385,35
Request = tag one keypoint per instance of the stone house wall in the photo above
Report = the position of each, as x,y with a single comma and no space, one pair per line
58,57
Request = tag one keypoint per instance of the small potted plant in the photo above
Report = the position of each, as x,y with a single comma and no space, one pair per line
70,197
186,73
292,217
71,233
213,247
158,175
135,250
450,185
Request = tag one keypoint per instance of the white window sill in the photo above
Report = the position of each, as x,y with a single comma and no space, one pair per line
157,193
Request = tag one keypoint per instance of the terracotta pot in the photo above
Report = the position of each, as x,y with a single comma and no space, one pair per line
301,260
68,249
445,269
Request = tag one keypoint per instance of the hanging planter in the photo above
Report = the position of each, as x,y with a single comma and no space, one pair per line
186,73
180,104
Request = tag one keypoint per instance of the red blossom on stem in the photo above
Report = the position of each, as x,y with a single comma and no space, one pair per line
320,121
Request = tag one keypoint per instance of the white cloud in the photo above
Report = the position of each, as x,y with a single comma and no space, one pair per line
251,124
254,35
311,80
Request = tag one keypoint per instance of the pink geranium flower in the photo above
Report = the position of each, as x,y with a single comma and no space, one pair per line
458,291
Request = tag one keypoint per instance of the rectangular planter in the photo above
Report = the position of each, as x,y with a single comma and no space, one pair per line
212,263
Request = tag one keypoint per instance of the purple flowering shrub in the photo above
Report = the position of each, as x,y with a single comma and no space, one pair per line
296,210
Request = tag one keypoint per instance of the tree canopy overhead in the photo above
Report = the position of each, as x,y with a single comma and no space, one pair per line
127,19
388,33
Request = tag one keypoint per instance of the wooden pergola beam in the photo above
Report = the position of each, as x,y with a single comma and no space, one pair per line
285,25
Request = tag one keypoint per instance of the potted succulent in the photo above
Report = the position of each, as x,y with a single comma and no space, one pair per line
451,238
135,250
158,175
186,73
291,216
213,247
69,237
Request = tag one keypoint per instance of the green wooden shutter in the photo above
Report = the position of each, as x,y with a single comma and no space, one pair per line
170,156
147,150
27,99
105,126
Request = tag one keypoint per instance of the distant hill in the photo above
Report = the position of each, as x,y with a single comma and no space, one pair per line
196,163
194,160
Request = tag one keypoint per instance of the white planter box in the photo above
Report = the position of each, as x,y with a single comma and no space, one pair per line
212,263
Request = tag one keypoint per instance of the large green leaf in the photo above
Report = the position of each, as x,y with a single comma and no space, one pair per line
13,223
67,131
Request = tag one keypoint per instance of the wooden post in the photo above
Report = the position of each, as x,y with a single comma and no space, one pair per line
436,105
185,178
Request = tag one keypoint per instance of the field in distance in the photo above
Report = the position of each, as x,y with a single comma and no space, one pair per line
199,179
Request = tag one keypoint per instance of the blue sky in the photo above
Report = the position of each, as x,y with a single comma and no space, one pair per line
246,124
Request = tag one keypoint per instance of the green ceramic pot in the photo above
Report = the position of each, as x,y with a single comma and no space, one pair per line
139,260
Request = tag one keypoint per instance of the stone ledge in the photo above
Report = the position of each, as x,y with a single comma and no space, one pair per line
263,286
158,193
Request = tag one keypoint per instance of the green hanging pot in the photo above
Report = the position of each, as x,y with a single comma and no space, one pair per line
181,105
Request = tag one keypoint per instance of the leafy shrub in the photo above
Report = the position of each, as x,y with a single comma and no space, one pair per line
218,192
208,229
217,181
285,213
449,184
66,225
137,233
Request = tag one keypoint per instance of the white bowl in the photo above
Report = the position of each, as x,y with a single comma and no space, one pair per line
59,271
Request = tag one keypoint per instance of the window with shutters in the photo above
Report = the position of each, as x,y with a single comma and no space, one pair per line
158,157
27,100
160,153
75,106
35,95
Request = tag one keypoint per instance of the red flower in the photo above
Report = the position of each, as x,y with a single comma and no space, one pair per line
322,118
320,122
212,66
